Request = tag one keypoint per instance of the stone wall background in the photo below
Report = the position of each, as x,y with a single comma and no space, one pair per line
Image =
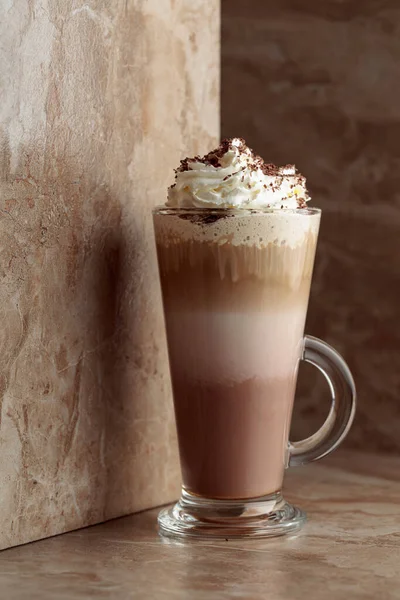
317,83
98,102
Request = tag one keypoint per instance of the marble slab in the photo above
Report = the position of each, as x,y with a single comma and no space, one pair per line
100,99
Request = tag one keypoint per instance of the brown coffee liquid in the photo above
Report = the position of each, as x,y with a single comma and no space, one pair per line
235,308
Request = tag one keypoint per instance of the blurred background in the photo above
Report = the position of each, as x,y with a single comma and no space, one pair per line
317,84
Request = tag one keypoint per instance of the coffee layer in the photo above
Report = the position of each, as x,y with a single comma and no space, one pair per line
252,261
233,439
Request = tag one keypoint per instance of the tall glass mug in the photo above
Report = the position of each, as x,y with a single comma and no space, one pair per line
235,287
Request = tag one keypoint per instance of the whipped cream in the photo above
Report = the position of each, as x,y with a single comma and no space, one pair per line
232,176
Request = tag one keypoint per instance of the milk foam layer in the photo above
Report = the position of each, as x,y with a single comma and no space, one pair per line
232,176
259,229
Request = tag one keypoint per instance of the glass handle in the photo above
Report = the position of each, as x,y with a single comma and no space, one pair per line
341,415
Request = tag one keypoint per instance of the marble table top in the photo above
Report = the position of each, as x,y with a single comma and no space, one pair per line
350,548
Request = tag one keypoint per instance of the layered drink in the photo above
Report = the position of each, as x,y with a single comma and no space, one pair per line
236,245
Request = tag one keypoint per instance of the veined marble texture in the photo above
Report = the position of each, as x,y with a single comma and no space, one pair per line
316,83
349,548
99,101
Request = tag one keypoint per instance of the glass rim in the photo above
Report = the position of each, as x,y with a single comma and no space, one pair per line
171,210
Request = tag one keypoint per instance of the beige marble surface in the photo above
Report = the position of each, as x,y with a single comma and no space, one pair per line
99,100
349,549
316,83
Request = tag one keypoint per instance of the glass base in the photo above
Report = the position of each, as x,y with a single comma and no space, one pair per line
195,517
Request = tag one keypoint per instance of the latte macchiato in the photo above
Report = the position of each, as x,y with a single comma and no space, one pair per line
236,244
235,291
